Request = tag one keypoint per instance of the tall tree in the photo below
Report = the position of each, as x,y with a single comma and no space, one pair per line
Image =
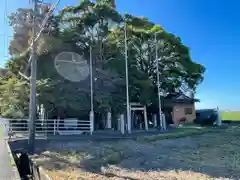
99,25
22,24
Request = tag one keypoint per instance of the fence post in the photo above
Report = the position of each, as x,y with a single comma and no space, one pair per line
219,117
164,121
122,124
145,119
155,120
58,121
7,126
118,123
91,115
45,127
4,124
141,126
54,132
109,120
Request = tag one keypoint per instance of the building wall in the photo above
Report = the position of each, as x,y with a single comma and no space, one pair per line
179,111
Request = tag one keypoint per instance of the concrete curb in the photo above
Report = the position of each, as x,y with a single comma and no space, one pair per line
38,172
16,174
42,171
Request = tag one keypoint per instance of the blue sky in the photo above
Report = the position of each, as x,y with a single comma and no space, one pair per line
211,28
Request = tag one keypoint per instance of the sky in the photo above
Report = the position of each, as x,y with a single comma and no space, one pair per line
210,28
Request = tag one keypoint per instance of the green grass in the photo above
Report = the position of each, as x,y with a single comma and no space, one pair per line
231,115
180,132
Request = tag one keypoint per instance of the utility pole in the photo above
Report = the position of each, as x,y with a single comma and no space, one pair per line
158,83
127,89
113,3
91,90
32,105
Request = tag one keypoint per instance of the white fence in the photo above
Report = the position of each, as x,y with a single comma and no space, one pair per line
48,126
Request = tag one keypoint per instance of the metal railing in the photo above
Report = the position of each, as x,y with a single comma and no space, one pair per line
48,127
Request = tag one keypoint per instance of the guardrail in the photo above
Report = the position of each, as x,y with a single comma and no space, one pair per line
48,126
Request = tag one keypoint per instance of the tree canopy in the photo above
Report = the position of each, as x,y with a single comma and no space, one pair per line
99,25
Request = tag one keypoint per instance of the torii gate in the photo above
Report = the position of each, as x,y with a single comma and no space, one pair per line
139,107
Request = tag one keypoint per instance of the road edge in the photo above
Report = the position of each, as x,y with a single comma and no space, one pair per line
13,163
38,171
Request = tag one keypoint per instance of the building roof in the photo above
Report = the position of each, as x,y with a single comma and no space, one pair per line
179,98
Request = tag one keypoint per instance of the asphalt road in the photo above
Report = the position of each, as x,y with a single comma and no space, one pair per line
6,170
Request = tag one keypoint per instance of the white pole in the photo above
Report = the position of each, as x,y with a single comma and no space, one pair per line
91,122
91,92
158,83
109,120
155,120
119,122
58,121
145,119
164,121
219,118
127,91
54,127
45,127
122,127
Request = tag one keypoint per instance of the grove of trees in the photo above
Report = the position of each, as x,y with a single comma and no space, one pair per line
99,25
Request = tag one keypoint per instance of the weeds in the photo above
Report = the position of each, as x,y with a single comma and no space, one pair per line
114,158
205,157
181,132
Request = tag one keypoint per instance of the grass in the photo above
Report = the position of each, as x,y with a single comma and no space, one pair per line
180,132
12,163
209,156
231,115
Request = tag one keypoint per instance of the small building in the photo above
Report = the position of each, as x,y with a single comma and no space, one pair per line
179,109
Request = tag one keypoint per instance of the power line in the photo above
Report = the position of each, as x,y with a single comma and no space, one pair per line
33,60
48,15
53,7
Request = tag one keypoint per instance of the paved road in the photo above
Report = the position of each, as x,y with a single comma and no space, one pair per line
6,170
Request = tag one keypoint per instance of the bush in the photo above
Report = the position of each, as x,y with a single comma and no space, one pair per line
206,117
114,158
13,113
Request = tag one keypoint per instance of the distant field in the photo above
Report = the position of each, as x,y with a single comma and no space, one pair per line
231,115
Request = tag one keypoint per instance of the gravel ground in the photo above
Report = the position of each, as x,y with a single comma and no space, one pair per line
208,156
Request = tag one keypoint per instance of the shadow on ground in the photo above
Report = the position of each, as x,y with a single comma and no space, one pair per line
214,155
